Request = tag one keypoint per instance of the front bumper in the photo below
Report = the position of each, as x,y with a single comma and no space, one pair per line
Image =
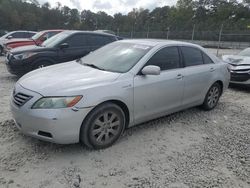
241,78
17,67
60,126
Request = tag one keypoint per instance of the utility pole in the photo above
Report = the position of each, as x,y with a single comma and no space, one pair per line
221,30
168,30
193,33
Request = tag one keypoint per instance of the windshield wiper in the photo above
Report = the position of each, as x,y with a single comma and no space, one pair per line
93,66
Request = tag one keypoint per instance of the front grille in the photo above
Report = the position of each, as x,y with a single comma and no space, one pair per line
20,99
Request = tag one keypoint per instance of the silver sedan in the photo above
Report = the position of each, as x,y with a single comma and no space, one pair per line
122,84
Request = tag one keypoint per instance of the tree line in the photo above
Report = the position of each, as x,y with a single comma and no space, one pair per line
206,15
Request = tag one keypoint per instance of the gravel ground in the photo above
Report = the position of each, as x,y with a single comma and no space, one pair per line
191,148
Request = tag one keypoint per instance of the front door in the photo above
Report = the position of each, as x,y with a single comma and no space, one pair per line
156,95
77,48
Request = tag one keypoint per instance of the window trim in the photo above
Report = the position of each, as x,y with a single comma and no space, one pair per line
180,59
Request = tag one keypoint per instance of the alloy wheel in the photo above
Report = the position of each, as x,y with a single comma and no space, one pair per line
213,96
106,127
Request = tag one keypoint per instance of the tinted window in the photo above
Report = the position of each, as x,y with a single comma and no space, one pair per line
166,58
51,34
206,59
77,40
29,35
98,40
18,35
192,56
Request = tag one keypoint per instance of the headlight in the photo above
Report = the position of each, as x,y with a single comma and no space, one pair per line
24,55
56,102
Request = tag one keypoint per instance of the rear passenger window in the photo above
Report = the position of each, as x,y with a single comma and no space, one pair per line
192,56
77,40
28,35
206,59
97,40
18,35
166,58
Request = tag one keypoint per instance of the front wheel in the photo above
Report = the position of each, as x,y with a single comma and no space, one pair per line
103,126
212,97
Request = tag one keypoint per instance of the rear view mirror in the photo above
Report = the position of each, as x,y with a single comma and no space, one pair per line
9,37
64,45
151,70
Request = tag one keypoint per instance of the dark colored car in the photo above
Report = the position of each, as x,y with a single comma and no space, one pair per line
14,34
63,47
37,39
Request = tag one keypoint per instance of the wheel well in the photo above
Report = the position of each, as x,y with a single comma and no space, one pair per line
124,107
51,61
221,84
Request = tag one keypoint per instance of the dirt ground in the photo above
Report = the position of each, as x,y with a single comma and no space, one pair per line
192,148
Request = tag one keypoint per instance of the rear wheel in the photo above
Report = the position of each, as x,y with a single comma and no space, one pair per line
212,97
103,126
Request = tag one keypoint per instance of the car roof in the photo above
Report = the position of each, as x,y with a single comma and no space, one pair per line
51,30
157,42
86,32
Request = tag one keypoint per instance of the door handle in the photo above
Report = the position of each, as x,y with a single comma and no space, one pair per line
179,76
212,69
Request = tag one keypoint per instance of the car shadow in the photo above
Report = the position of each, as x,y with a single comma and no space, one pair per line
241,88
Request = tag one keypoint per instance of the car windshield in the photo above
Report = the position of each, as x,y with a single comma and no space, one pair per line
53,41
38,35
245,52
116,57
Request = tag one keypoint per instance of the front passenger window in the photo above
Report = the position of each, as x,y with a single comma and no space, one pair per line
166,58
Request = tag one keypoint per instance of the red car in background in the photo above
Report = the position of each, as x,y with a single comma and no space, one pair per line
37,39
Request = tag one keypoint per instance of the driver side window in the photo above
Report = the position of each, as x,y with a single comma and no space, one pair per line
166,58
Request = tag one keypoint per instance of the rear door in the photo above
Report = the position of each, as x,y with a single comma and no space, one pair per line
198,75
78,47
155,96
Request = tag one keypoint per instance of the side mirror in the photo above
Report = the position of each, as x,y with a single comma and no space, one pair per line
64,45
151,70
9,37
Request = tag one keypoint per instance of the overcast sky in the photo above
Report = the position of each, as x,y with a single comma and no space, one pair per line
111,6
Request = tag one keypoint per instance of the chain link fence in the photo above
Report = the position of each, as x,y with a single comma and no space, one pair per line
213,39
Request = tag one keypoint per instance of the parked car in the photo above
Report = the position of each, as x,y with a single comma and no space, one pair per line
63,47
37,39
14,34
117,86
239,67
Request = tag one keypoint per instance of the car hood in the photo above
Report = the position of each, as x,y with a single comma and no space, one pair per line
65,79
236,60
12,41
30,48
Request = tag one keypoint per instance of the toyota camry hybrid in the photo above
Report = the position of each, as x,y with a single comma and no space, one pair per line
122,84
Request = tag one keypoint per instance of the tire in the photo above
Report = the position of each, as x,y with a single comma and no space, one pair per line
40,64
103,126
212,97
1,50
